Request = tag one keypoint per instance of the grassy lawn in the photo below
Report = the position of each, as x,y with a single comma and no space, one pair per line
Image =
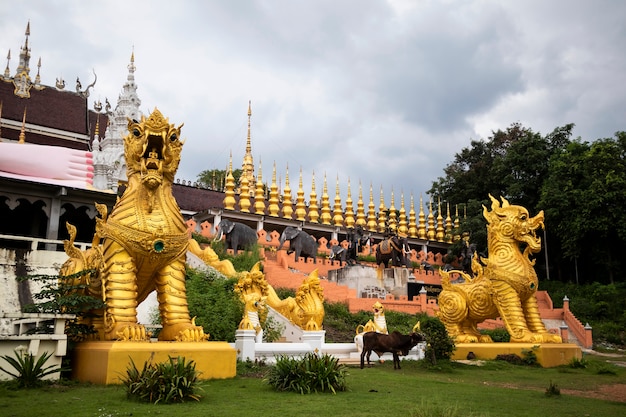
494,389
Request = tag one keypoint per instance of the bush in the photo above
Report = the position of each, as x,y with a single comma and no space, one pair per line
213,302
168,382
438,344
312,373
28,372
498,335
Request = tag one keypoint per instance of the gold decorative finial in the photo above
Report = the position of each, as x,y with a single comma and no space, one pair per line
287,210
313,213
300,205
22,137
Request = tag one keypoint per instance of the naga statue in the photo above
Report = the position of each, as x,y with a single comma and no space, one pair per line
141,245
305,310
503,285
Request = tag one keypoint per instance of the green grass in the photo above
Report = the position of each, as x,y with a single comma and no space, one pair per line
497,389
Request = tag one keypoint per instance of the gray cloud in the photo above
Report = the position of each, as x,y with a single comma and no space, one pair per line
378,92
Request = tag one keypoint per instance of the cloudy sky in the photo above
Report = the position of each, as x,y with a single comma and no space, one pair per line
382,93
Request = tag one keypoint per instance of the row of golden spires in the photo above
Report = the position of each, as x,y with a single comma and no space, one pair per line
387,219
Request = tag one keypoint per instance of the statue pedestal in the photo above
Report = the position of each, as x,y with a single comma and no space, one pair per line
548,354
106,362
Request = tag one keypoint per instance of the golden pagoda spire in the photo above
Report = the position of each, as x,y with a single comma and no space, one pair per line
247,167
440,230
287,203
22,137
229,194
371,212
403,228
272,209
313,213
457,222
412,219
326,217
337,212
393,222
300,205
244,196
360,208
431,234
382,215
421,227
448,237
349,219
259,194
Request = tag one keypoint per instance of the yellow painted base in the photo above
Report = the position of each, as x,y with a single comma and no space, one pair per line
548,354
106,362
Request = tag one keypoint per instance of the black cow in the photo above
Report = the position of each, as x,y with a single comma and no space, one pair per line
396,343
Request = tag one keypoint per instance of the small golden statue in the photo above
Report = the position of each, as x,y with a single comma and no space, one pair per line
504,284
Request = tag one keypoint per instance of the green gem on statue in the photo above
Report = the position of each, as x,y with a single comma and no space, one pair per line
159,245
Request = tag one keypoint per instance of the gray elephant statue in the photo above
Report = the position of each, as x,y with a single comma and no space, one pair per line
394,250
238,235
300,242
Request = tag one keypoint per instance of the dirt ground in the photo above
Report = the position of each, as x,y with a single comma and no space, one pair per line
614,392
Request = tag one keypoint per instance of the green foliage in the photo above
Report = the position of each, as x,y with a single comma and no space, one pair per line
312,373
529,357
272,330
215,179
576,363
66,295
438,344
214,304
243,261
553,390
499,334
250,369
174,381
28,371
200,239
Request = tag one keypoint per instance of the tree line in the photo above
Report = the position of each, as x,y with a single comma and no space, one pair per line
580,186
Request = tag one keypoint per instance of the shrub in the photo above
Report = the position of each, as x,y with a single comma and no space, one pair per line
213,302
552,390
168,382
529,357
439,345
66,295
498,335
28,372
272,330
312,373
250,369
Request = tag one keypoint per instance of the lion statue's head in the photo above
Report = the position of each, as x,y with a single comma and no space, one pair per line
152,149
511,223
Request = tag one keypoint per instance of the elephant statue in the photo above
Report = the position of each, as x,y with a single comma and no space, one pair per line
238,235
394,250
356,238
300,242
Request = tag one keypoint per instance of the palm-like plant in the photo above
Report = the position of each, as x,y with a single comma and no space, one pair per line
29,371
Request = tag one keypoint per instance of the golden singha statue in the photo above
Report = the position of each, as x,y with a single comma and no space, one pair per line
306,310
141,246
504,284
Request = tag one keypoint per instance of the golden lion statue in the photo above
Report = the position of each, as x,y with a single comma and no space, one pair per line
306,310
504,284
141,246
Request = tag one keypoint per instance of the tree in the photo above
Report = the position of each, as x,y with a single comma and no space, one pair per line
512,163
584,195
215,179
